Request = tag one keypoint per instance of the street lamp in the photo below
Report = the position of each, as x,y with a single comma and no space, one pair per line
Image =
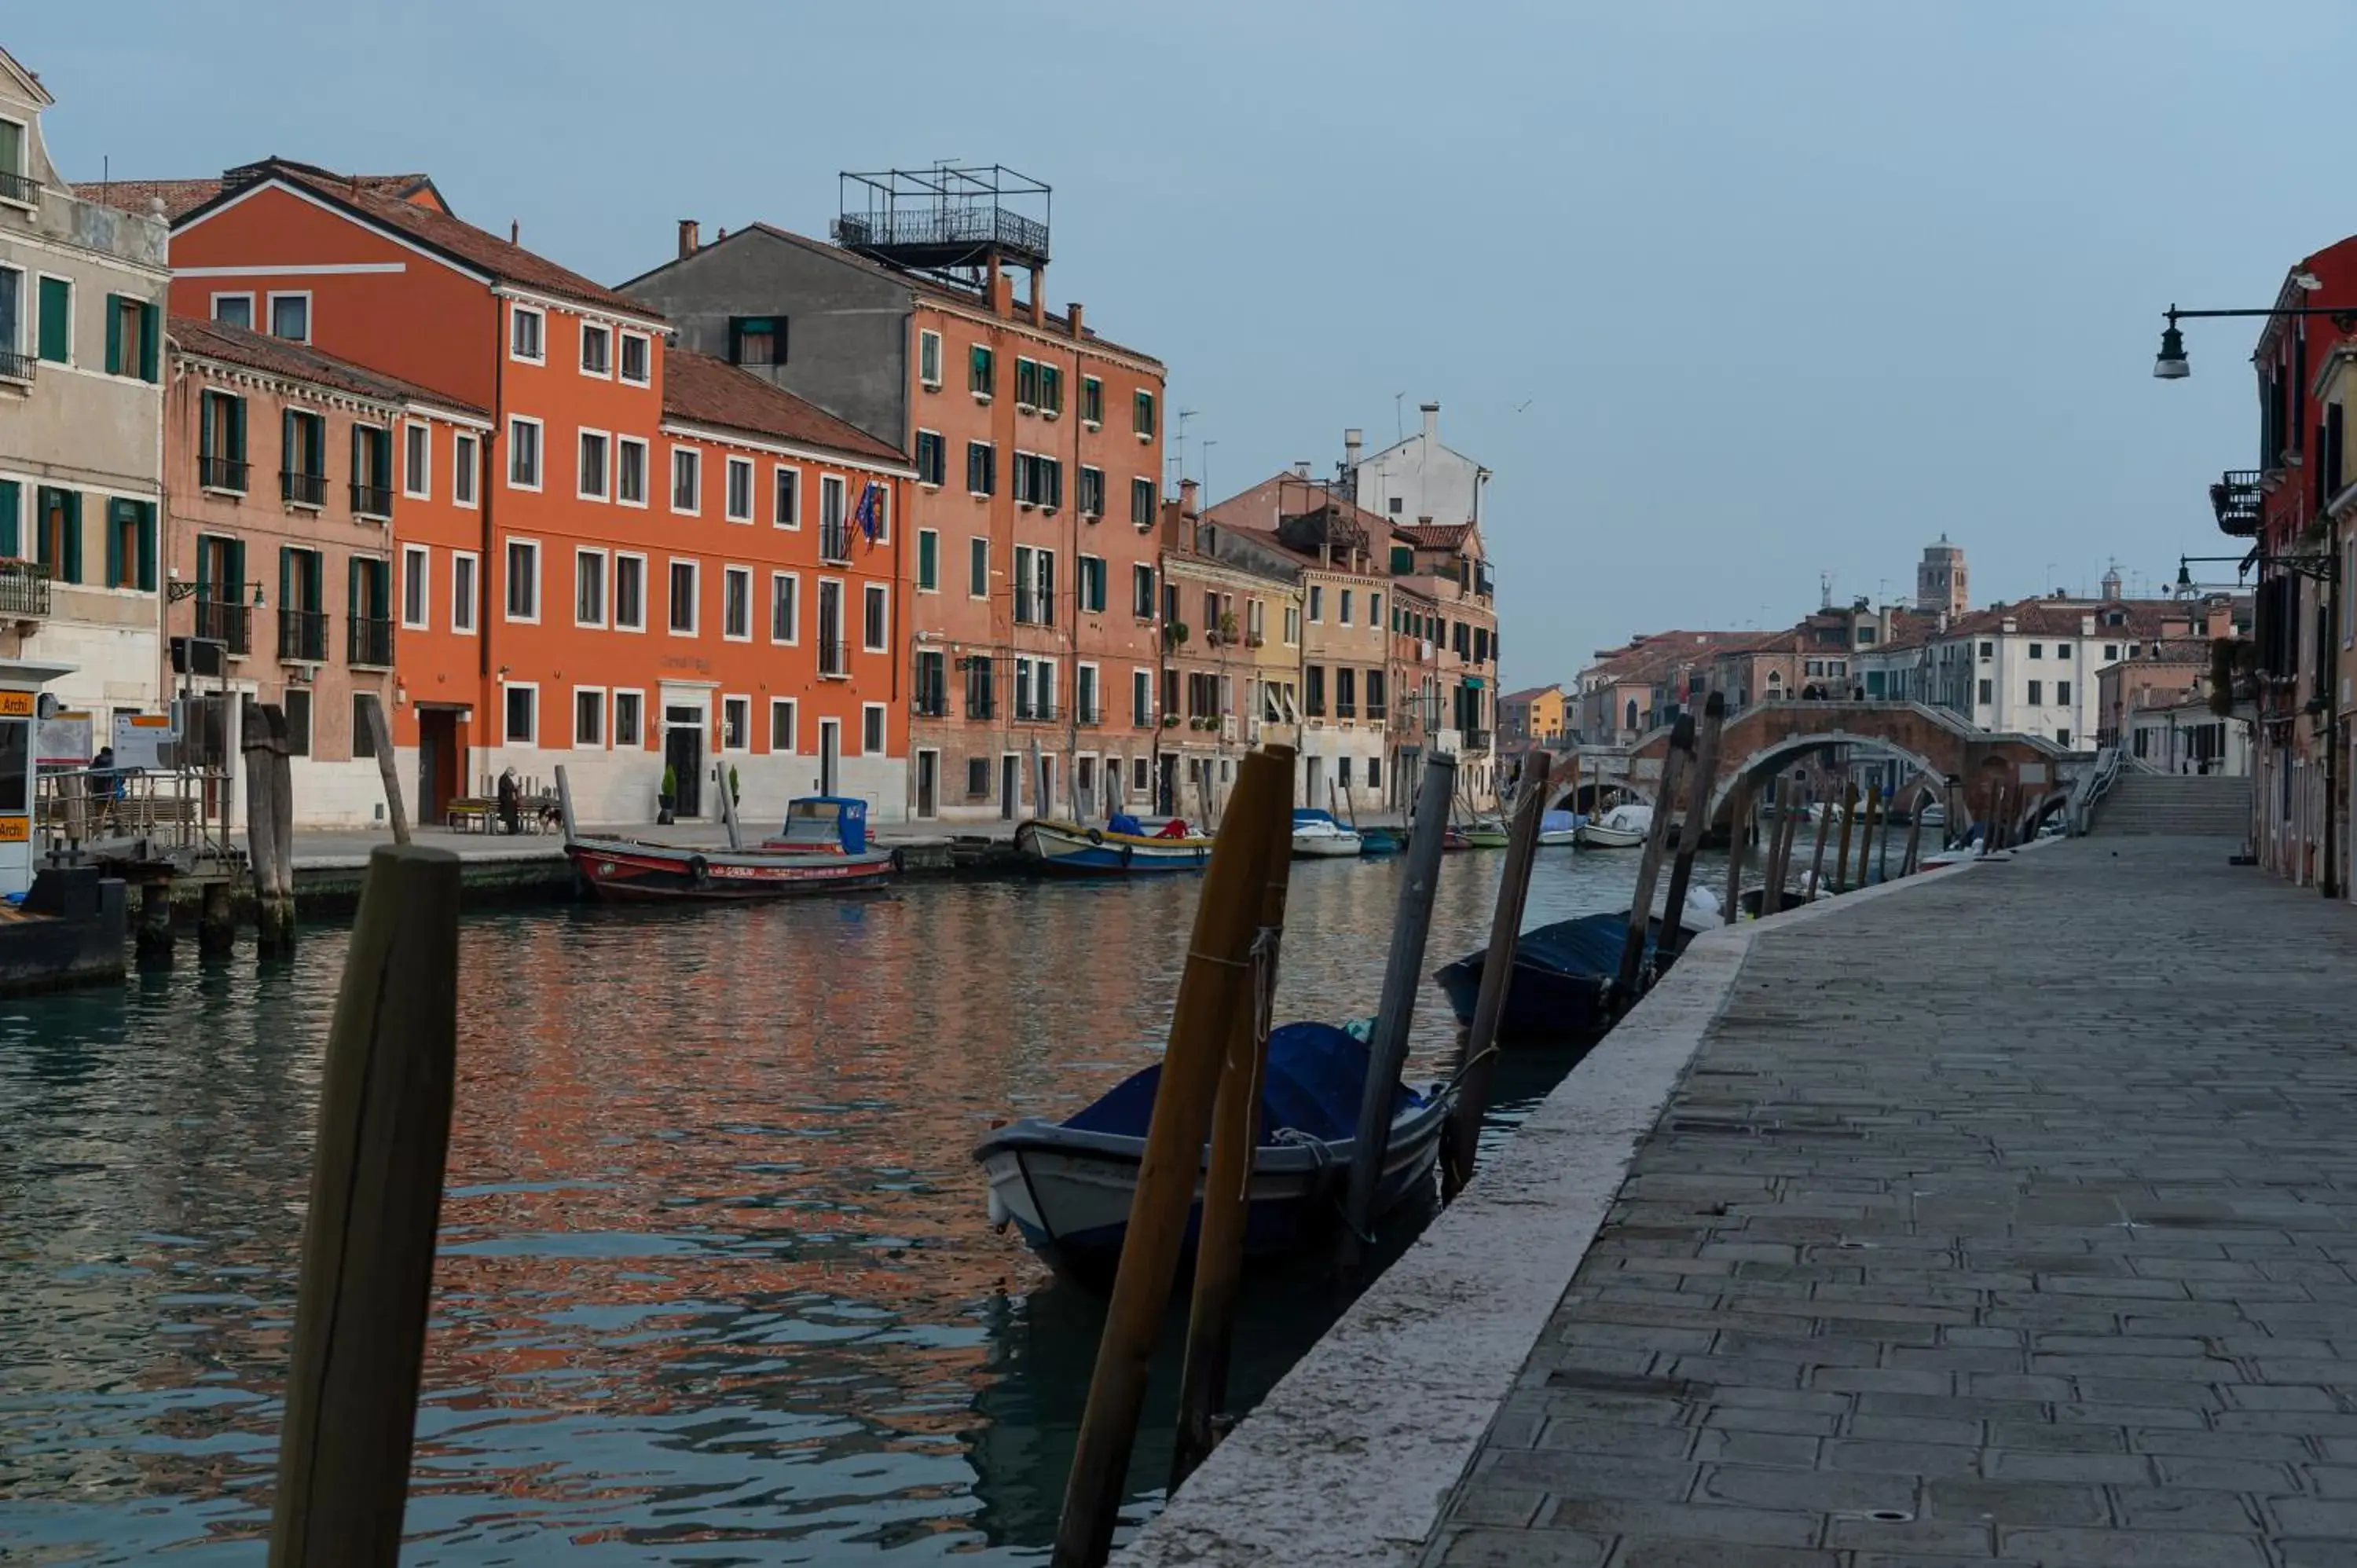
2171,365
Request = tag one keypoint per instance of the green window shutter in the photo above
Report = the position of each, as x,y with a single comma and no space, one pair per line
146,546
237,429
204,570
115,513
11,540
150,340
205,452
928,559
314,577
286,578
355,595
70,568
56,320
113,335
286,449
41,528
235,585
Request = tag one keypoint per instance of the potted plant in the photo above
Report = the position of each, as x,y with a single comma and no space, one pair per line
1176,631
1170,721
666,796
1227,628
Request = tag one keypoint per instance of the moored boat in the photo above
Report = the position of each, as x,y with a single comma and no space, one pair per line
1622,827
1066,1186
1120,848
1317,833
1379,841
1485,834
1566,979
822,848
1557,829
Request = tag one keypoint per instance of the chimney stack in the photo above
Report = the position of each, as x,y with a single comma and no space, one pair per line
1187,491
1353,440
515,230
1301,468
1038,299
1431,422
1073,313
689,236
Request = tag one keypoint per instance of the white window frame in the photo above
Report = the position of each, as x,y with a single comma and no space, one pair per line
777,470
212,306
917,565
730,467
580,436
1080,580
1095,681
605,727
613,711
934,339
539,452
884,728
646,465
608,333
507,580
517,311
796,579
625,336
972,540
418,560
507,686
1141,677
73,299
468,446
745,744
417,444
463,607
695,601
727,575
793,726
613,576
270,320
868,593
671,480
605,585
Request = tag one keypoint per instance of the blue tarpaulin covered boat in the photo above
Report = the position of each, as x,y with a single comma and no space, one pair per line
1563,980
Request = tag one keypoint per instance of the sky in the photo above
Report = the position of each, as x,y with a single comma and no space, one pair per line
1727,294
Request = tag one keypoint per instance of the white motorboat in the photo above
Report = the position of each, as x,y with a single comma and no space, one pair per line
1317,833
1622,827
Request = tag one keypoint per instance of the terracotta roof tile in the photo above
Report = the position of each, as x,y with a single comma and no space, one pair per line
300,361
1433,535
702,390
181,197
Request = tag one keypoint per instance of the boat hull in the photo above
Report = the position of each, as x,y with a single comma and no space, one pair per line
1067,849
1486,838
630,871
1596,835
1541,1002
1327,846
1562,838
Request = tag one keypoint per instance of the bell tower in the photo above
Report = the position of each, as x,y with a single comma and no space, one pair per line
1940,581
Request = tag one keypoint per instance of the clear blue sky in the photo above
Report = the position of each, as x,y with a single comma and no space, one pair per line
1727,291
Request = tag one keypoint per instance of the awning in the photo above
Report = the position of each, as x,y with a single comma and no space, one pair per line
1472,683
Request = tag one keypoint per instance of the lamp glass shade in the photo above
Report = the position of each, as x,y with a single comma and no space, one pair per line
2170,365
2184,575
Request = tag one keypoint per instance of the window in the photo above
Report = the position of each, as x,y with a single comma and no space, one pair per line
1375,773
1051,391
2037,650
981,467
638,363
1085,695
220,443
416,569
2062,736
1035,688
2062,693
683,598
597,350
876,617
1317,604
1027,383
1988,652
628,706
525,327
372,471
364,733
1142,413
1141,502
417,446
298,721
588,716
630,470
594,446
871,729
523,453
833,658
1344,606
462,591
1141,698
234,310
1039,481
1092,400
2112,649
977,568
735,724
303,471
977,777
2037,694
786,502
781,725
630,593
931,462
930,694
1292,625
981,688
740,489
756,339
589,587
462,470
736,604
686,479
1375,610
133,337
290,317
1091,584
1137,774
785,605
1314,690
1091,492
929,359
980,372
1141,591
834,539
1346,692
1376,709
1988,691
56,323
1035,586
131,544
524,580
929,561
523,715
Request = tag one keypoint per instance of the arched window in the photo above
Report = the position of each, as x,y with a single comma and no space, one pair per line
1633,714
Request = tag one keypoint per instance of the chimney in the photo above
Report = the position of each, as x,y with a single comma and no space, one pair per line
1431,422
689,236
1072,314
515,230
997,288
1039,300
1301,468
1187,491
1351,441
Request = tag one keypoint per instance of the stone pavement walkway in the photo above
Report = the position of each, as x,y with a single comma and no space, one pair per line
2009,1219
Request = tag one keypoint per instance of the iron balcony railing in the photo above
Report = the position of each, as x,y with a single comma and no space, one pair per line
1033,713
834,541
302,489
21,188
303,636
1477,740
2235,499
222,473
15,367
369,641
929,704
833,657
946,225
1090,715
24,590
226,622
372,501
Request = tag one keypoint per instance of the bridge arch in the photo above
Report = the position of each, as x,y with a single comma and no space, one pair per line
1771,758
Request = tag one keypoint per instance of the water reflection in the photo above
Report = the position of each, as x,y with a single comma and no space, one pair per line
716,1283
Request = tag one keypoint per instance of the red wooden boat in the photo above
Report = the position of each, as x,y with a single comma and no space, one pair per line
823,848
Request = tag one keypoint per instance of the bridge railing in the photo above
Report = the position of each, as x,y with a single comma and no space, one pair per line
2090,788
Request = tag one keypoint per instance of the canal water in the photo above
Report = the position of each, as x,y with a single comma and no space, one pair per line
716,1284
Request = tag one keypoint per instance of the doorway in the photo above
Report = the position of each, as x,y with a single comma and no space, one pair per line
1314,772
1011,785
929,783
830,754
684,754
441,763
1165,784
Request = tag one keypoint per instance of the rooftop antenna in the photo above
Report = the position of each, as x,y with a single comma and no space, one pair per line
1206,450
1399,416
1178,439
1825,590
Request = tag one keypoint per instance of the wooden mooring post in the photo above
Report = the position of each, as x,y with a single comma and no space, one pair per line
1740,819
1848,816
1649,867
1908,861
1477,1057
1817,858
1216,983
269,828
1697,820
381,737
1866,839
369,1238
1227,1177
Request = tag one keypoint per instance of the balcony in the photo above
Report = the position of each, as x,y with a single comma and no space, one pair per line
226,622
369,642
833,658
223,473
372,501
929,704
1477,740
24,590
1034,712
835,543
1089,717
302,489
2235,499
303,636
22,189
15,367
